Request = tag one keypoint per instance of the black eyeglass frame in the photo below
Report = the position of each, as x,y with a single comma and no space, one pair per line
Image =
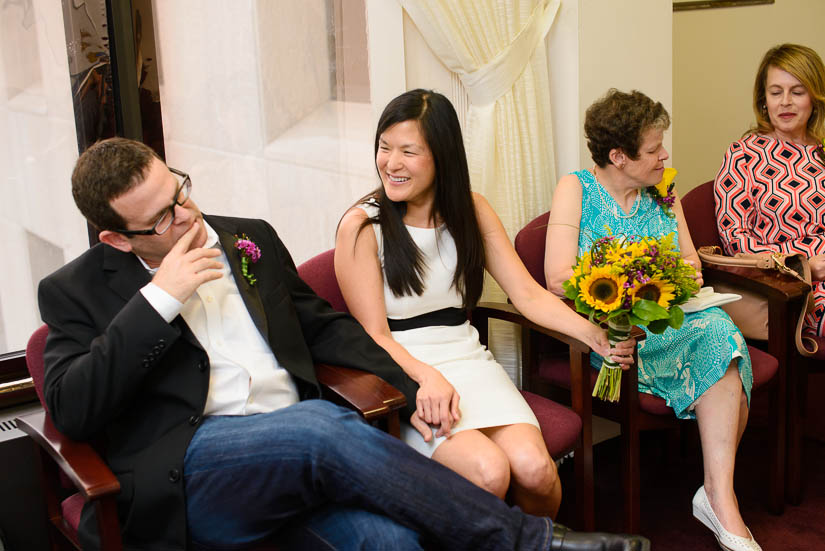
186,184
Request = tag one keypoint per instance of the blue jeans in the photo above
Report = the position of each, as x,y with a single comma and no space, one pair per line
319,466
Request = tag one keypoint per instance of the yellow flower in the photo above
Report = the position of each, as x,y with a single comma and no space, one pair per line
667,179
624,255
602,289
583,266
657,290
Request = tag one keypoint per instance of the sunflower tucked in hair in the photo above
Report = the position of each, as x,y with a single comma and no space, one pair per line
657,290
602,289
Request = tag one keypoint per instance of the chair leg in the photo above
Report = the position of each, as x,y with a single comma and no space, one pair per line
797,377
778,411
631,478
583,461
582,404
631,471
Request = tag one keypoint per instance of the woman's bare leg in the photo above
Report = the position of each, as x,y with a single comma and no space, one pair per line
534,481
721,421
478,459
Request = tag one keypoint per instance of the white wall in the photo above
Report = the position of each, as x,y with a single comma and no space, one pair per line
715,57
600,44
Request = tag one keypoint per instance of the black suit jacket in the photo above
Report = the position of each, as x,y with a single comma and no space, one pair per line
116,371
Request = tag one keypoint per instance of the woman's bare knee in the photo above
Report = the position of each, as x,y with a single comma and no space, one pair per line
534,469
493,472
478,459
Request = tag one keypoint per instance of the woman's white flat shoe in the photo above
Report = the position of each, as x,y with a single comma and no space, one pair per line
727,541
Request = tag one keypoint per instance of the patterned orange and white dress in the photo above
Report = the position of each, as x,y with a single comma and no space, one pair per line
770,196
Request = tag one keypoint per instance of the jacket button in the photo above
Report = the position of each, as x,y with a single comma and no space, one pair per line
195,419
146,363
161,343
202,365
174,475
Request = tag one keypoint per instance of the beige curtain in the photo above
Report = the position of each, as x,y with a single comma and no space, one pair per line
496,48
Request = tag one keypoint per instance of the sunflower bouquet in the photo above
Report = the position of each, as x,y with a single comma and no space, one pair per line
627,281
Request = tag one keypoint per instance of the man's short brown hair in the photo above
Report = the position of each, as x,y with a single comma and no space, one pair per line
104,172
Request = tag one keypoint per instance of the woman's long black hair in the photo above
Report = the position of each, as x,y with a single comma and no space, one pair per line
453,204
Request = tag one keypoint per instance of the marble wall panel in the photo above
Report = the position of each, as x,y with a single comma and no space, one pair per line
44,258
296,64
45,152
54,70
337,136
18,300
20,53
40,227
208,74
223,183
308,203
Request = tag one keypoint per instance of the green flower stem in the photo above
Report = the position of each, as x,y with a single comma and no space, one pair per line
609,383
245,271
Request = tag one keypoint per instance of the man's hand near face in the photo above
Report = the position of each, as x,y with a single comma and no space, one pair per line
183,270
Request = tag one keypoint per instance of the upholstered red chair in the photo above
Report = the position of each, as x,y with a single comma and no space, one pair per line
73,473
560,426
546,371
784,303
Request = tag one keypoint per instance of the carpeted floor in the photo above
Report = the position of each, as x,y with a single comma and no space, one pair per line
669,482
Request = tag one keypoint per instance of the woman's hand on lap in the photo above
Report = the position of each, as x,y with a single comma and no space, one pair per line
437,402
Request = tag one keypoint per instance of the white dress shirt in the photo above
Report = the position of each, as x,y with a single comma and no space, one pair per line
244,376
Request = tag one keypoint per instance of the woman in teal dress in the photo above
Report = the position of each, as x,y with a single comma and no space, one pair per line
702,370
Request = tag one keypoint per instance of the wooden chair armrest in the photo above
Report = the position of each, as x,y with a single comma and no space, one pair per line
79,460
771,284
508,312
370,395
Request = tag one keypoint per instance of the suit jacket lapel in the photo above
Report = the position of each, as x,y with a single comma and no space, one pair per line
128,276
250,294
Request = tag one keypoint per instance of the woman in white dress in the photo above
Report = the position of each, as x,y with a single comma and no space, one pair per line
410,259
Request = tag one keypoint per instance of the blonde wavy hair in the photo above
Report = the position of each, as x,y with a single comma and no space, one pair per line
804,64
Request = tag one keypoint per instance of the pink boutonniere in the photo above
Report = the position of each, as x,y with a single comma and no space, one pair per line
249,253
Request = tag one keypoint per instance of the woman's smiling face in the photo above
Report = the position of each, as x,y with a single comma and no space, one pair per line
406,164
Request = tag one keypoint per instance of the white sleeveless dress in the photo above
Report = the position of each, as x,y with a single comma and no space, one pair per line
488,396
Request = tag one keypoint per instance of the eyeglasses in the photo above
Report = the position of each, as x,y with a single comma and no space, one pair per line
165,221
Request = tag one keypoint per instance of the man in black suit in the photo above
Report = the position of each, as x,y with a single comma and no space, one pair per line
197,373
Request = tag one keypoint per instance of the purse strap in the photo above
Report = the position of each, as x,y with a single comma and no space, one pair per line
795,265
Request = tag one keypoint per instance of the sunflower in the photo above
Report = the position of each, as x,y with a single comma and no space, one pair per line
602,289
659,291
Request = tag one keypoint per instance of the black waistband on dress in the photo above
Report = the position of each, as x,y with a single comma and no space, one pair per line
445,316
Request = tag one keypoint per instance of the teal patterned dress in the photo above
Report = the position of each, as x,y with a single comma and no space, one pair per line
678,365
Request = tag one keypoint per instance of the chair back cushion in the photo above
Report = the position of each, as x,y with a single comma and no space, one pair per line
530,246
319,273
700,214
34,360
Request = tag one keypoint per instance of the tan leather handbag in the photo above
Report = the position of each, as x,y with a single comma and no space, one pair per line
751,313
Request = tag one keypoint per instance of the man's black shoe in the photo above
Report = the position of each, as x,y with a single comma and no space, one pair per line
565,539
